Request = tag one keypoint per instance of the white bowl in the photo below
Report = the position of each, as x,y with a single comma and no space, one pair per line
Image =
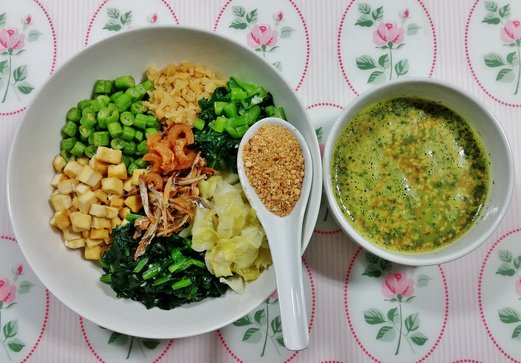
70,278
494,142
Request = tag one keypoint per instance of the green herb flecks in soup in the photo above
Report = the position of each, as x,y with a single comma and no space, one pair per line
409,174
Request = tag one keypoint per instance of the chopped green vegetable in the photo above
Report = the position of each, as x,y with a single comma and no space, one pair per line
226,116
146,280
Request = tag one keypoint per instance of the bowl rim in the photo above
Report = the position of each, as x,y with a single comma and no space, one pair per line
350,231
311,213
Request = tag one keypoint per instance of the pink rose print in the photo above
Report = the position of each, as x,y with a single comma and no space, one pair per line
404,14
511,32
389,37
152,19
518,286
11,40
7,291
396,283
388,34
262,36
398,323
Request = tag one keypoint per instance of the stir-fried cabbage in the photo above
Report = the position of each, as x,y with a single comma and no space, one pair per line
230,233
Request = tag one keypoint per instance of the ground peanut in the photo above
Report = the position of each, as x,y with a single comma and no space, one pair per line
274,165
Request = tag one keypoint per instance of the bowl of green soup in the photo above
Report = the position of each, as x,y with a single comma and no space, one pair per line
418,172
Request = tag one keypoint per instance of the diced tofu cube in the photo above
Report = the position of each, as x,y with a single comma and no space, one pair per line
98,210
98,222
69,234
62,219
59,163
100,166
136,174
99,233
89,176
81,221
115,222
58,178
86,200
118,171
83,161
61,201
108,155
134,203
82,188
90,242
116,201
111,212
123,212
52,222
102,196
75,243
75,202
112,185
93,252
67,186
72,169
127,185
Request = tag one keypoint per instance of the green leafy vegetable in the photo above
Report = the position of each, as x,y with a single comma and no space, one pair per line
226,116
169,274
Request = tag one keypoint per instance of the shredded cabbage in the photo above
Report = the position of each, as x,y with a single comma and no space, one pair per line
230,233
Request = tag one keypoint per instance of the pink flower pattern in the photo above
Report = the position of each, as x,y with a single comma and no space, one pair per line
7,291
11,40
511,32
262,36
397,283
388,34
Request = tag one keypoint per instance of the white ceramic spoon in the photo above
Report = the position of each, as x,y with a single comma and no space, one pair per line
285,240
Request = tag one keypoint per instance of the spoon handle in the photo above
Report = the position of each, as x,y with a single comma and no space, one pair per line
285,247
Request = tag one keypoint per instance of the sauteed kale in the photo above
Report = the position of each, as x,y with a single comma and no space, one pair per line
169,274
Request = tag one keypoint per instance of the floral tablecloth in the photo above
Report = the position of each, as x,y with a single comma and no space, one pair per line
361,308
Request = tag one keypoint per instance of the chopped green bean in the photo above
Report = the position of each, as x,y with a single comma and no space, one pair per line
88,120
83,103
103,86
141,163
78,149
115,129
124,82
140,121
67,143
128,133
137,107
123,102
148,85
104,99
142,148
70,128
117,144
149,132
126,118
129,148
90,151
96,105
101,138
74,114
139,135
131,167
85,131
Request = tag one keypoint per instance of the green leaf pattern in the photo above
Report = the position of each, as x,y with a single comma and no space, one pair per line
262,328
394,325
386,67
510,266
10,329
509,67
14,76
117,20
246,20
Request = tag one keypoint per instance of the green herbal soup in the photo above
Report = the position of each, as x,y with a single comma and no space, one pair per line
409,174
